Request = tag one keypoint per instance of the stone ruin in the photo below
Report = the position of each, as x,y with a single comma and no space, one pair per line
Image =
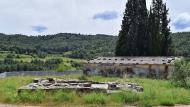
51,84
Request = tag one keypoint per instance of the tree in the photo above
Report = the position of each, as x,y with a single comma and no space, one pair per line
160,31
155,25
167,48
122,44
142,35
133,37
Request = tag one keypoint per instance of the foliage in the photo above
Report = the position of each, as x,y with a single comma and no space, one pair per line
142,34
181,74
83,77
86,46
181,43
64,67
134,30
71,45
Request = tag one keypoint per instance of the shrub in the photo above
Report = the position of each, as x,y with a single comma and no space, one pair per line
10,56
53,61
181,74
63,67
76,64
83,77
18,56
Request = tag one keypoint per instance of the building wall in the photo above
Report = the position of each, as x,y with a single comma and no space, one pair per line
152,71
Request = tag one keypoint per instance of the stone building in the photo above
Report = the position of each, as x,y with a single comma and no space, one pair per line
154,67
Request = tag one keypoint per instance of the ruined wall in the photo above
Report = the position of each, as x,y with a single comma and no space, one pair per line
152,71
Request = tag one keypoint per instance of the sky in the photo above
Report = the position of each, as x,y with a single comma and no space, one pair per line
41,17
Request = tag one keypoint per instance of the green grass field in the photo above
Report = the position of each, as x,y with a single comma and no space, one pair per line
156,92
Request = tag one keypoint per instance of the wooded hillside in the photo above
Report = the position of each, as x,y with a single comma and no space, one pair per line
77,45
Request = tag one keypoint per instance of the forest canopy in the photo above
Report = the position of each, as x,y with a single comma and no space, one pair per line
77,45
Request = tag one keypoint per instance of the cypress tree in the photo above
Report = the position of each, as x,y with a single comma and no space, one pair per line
142,36
167,39
125,39
151,26
133,35
160,32
156,30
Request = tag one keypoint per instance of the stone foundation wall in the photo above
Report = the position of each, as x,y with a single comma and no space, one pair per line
152,71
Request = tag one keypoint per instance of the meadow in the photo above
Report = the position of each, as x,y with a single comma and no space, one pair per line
156,92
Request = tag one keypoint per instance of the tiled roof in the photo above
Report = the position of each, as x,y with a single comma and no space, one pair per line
134,60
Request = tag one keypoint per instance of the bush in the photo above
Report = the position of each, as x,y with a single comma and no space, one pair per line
76,64
181,74
83,77
9,61
53,61
10,56
63,67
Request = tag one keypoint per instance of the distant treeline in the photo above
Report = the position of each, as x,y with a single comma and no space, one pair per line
13,63
10,65
77,45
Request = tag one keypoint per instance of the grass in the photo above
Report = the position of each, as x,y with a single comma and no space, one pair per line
156,92
95,98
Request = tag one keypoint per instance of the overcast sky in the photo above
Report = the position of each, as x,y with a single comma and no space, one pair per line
38,17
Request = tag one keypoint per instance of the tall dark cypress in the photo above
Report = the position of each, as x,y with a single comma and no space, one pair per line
133,35
121,45
156,31
125,39
161,38
142,37
167,39
151,33
144,34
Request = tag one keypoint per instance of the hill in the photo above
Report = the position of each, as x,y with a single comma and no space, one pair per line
182,43
76,45
70,45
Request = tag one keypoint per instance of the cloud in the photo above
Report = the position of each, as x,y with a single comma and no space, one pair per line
39,29
106,15
182,22
73,16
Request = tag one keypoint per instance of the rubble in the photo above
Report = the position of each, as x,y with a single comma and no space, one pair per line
48,84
